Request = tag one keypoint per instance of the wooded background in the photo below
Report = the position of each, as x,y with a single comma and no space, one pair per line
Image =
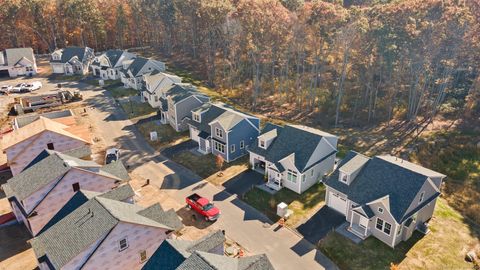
350,63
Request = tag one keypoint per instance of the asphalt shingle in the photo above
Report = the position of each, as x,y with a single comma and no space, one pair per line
290,139
379,178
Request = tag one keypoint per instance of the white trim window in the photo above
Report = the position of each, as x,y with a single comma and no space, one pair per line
143,256
232,148
383,226
219,147
291,176
261,143
123,244
303,178
380,209
311,172
218,132
242,144
196,117
422,196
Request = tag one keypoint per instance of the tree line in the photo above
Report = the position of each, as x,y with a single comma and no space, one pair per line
340,62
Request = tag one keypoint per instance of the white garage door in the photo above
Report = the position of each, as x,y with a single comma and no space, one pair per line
337,203
194,134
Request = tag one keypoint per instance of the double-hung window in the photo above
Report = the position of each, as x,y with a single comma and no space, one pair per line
219,147
242,144
383,226
232,148
291,176
219,132
196,117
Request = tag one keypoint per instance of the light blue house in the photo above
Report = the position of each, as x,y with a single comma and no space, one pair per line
221,130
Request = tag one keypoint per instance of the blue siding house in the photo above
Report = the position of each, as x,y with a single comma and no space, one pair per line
221,130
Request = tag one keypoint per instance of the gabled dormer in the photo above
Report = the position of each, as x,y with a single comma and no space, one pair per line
57,55
350,170
197,117
267,138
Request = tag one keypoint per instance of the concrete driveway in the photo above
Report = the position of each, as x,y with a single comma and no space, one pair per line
243,182
320,224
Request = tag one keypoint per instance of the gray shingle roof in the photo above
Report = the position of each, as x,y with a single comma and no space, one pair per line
208,261
14,55
74,233
80,152
172,252
231,117
290,139
120,193
168,218
113,56
209,113
180,91
116,169
70,52
52,167
137,65
379,178
87,224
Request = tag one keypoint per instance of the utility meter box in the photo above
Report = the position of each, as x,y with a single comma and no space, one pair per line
153,136
282,209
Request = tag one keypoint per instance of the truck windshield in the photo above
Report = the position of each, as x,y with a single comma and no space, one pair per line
208,207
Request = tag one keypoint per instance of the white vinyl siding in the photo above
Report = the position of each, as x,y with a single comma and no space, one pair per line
291,176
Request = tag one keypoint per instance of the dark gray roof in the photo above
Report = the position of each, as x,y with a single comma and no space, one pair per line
268,127
50,166
209,113
116,169
208,261
377,179
180,91
89,223
113,56
290,139
137,65
164,104
80,152
172,252
70,52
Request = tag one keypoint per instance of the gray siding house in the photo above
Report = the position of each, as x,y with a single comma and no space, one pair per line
72,60
132,72
383,196
180,99
295,157
221,130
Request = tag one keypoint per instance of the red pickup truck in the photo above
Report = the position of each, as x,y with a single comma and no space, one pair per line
203,207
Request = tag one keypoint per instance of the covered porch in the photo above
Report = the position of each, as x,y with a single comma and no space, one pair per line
274,178
359,225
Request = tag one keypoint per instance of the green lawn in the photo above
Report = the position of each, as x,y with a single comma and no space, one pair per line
442,248
203,165
303,205
118,91
167,136
136,109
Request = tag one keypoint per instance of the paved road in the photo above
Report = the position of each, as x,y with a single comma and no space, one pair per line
241,222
